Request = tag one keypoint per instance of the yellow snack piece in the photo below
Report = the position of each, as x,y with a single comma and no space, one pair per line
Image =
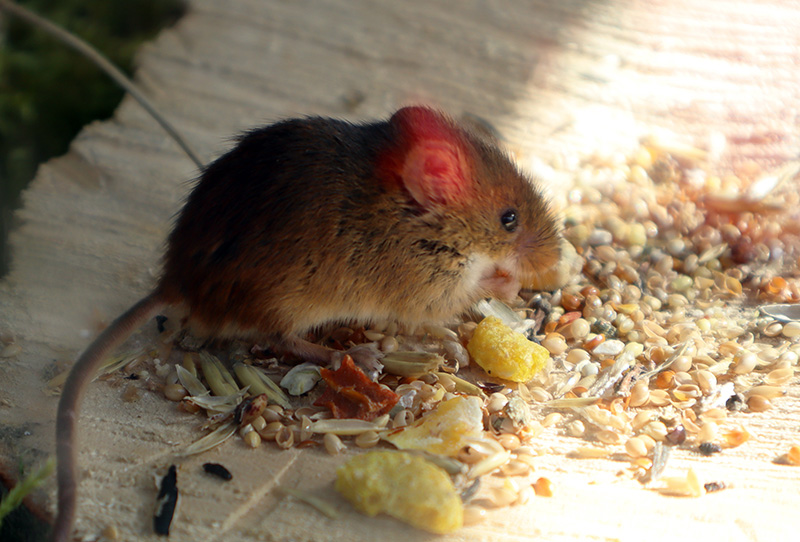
504,353
444,430
405,486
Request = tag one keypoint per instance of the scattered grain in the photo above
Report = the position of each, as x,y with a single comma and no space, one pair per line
758,403
555,343
175,392
744,362
252,439
496,402
793,455
655,430
708,432
791,330
509,441
543,487
552,419
636,447
736,437
575,428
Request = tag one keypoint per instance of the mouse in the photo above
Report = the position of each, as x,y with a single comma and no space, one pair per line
314,220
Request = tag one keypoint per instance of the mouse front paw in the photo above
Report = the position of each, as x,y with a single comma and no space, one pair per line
366,356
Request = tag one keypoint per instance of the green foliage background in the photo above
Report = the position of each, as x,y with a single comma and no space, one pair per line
48,92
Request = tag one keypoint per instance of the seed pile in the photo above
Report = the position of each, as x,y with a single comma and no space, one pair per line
657,339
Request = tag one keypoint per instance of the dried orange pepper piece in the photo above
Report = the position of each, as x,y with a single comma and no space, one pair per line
351,394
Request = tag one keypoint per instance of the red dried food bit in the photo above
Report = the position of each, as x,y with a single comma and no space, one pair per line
351,394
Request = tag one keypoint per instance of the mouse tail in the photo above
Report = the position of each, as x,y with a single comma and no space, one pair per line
82,373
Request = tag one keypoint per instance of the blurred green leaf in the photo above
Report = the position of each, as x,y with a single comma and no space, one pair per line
48,92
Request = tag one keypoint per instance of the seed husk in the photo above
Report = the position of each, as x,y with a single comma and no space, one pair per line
259,423
190,382
488,464
258,382
608,437
367,439
299,380
219,404
496,402
333,444
349,426
791,330
659,397
10,350
389,344
272,413
552,419
474,514
768,392
706,380
464,386
270,430
515,467
403,418
213,439
284,438
590,452
372,335
575,428
641,419
411,364
688,486
539,395
779,377
640,394
323,506
509,441
708,432
219,379
655,430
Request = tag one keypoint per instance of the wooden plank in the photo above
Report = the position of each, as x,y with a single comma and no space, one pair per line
553,77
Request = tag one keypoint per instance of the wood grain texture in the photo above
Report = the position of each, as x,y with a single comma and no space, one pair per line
553,77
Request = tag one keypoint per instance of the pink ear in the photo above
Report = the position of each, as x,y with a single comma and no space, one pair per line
434,168
434,172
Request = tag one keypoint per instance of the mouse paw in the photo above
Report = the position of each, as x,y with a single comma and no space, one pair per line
367,356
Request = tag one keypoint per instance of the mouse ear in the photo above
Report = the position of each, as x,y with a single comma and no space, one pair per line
434,166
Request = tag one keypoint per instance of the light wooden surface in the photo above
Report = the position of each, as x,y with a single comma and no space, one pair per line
574,75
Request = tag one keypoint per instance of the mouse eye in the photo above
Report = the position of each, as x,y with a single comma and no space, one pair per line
509,220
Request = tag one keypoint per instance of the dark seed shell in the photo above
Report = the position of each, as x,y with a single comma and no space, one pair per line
166,502
677,435
735,402
708,448
217,470
711,487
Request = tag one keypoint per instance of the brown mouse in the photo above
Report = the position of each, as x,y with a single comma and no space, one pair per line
310,221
